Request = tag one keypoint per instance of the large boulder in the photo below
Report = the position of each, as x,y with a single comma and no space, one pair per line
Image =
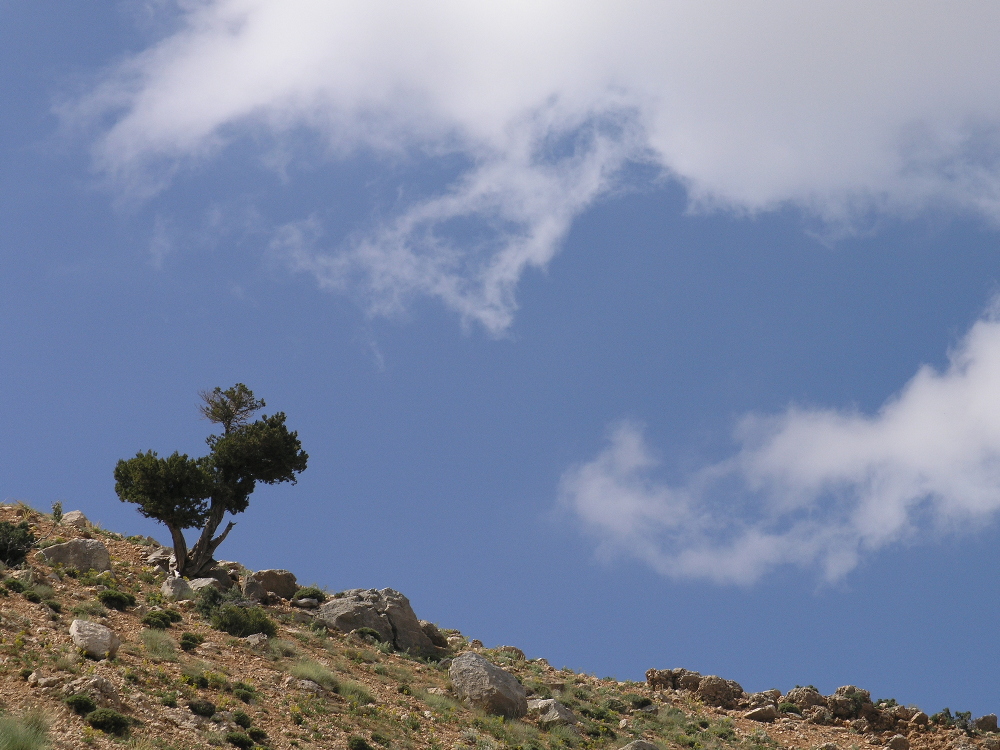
176,589
804,697
385,611
550,712
76,519
161,557
487,687
82,554
986,723
96,641
434,635
277,582
849,702
221,575
716,691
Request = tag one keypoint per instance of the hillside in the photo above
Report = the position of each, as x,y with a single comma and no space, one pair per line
311,685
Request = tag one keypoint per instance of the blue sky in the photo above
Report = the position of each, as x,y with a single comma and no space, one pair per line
658,336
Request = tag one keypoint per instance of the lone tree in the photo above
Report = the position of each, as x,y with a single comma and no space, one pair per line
196,493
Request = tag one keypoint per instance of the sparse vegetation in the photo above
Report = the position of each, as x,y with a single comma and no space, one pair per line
115,599
109,721
16,540
28,732
159,645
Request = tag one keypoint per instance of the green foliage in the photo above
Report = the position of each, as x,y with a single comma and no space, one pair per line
240,740
960,720
367,634
354,742
160,619
243,621
15,585
257,734
637,701
108,721
32,596
789,708
202,708
120,600
81,704
172,490
242,719
356,693
29,732
191,641
245,692
57,512
310,592
89,609
15,542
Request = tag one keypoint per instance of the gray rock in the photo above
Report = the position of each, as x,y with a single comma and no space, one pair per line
686,680
434,635
96,641
920,719
898,742
76,519
715,691
100,689
986,723
550,712
200,583
804,697
487,687
176,589
252,589
162,557
220,574
848,702
385,611
305,603
762,713
660,679
278,582
765,698
82,554
640,745
257,640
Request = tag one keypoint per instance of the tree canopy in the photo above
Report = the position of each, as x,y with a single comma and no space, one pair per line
196,493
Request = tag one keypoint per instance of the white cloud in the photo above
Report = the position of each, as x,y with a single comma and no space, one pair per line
810,486
841,108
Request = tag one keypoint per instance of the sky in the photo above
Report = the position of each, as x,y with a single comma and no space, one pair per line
635,335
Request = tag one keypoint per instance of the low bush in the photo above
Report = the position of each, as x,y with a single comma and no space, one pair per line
356,693
310,592
243,621
160,619
307,669
108,721
240,740
120,600
15,585
15,542
81,704
89,609
358,743
789,708
191,641
244,692
202,708
367,634
32,596
637,701
242,719
159,645
257,734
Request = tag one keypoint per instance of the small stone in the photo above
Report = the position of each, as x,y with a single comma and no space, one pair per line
898,742
762,713
256,640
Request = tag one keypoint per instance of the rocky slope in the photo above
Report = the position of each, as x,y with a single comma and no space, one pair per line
353,670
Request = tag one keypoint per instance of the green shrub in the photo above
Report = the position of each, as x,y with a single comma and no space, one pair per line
15,542
245,692
380,739
242,719
53,605
29,732
89,609
81,704
32,596
358,743
243,621
367,633
240,740
191,641
108,721
202,708
158,619
169,700
195,679
310,592
789,708
120,600
159,645
356,693
637,701
15,585
257,734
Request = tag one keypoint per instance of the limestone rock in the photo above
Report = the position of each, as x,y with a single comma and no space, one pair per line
715,691
762,713
100,689
82,554
305,603
161,557
252,589
257,640
512,651
804,697
765,698
986,723
640,745
920,719
176,589
95,640
76,519
685,679
434,635
221,576
550,712
278,582
898,742
201,583
660,679
385,611
487,687
849,702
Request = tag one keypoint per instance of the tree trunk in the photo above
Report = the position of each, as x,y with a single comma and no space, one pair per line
180,549
200,557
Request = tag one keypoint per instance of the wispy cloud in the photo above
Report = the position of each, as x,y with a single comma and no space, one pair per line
810,487
841,108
